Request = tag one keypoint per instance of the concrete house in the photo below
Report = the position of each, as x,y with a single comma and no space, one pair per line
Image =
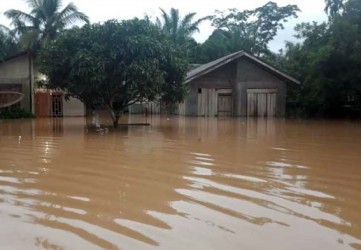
238,84
18,77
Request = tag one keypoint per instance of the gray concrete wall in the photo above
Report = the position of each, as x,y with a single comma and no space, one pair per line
15,68
252,76
221,78
73,107
239,76
15,74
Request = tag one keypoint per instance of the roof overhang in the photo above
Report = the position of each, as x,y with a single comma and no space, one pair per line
19,54
206,68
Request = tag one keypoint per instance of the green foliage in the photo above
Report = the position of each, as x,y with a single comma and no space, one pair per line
180,29
334,7
249,30
115,64
219,44
14,114
177,28
44,22
8,43
328,62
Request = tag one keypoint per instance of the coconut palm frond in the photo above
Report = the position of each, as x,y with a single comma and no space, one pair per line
166,21
50,7
158,23
179,29
34,4
18,15
70,14
187,20
174,14
74,17
44,21
4,29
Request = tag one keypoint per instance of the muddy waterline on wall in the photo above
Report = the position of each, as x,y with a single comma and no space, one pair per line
181,183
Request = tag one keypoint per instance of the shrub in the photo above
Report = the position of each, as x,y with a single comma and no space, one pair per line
15,114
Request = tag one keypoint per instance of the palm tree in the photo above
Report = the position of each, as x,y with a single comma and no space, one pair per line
179,30
8,43
333,7
44,22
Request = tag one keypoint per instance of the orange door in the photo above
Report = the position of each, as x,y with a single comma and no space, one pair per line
42,104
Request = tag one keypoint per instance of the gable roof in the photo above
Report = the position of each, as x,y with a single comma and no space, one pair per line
206,68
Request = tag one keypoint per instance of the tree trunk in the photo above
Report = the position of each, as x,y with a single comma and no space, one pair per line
115,117
116,121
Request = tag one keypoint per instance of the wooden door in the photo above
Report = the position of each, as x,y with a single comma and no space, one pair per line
207,102
224,105
262,102
42,104
271,104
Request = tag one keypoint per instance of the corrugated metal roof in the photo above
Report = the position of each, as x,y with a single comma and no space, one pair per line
206,68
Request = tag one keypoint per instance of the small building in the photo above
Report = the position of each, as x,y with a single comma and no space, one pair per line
238,84
19,74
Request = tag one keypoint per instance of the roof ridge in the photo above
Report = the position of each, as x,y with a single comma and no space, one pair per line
208,67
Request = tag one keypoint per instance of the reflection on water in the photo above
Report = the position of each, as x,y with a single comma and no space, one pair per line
181,183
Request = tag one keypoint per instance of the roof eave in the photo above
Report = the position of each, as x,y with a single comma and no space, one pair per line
216,66
239,55
21,53
278,72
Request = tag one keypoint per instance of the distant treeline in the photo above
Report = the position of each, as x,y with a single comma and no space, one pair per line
327,58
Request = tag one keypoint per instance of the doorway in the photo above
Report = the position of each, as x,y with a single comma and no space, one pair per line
42,104
224,105
48,104
261,102
57,105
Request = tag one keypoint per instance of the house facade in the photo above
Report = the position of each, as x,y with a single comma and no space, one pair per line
236,85
19,74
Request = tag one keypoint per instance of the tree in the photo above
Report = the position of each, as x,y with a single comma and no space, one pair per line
8,43
328,63
222,43
216,46
115,64
334,7
353,12
45,20
180,30
254,28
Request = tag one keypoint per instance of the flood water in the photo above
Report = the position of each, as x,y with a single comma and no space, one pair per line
181,183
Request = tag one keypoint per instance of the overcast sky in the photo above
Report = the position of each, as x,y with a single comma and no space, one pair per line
101,10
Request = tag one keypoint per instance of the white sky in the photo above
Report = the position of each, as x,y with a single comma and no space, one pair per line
102,10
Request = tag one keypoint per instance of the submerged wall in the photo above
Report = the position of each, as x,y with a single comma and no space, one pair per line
221,78
14,76
237,76
251,76
73,107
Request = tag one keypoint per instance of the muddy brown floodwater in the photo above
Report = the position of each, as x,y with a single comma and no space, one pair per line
181,183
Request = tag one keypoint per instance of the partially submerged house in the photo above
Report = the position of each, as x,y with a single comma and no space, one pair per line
238,84
18,74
